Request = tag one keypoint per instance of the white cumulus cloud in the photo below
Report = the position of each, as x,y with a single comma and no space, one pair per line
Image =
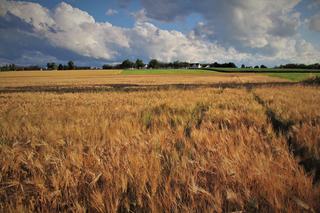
240,31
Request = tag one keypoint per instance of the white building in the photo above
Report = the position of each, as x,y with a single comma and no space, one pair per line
195,66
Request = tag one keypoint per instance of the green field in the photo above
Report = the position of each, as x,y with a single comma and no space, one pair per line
165,71
294,76
221,69
290,74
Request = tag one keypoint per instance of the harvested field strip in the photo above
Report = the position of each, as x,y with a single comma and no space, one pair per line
137,87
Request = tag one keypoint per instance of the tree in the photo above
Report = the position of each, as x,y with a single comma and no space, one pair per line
126,64
243,66
263,66
139,64
300,66
256,67
232,65
12,67
71,65
154,63
60,67
107,67
225,65
52,66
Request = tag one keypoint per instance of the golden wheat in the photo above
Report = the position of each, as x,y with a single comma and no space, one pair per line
197,150
85,78
300,107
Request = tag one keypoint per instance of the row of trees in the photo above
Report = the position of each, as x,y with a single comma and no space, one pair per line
54,66
13,67
300,66
153,64
50,66
69,66
255,67
139,64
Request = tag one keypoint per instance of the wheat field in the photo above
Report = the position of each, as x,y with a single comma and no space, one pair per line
197,150
103,77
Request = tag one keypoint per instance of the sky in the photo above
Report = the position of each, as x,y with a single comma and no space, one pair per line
96,32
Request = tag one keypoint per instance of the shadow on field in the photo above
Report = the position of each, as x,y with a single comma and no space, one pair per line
307,160
138,87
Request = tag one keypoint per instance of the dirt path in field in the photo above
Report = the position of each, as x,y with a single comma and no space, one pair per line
137,87
306,159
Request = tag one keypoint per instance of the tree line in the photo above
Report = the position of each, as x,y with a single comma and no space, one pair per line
152,64
50,66
300,66
69,66
155,64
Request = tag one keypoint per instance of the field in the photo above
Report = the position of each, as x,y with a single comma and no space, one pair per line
294,76
166,71
158,146
126,77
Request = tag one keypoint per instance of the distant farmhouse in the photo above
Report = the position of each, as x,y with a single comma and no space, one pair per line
198,66
195,66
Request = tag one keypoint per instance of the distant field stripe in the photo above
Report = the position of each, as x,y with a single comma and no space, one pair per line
165,71
263,70
294,76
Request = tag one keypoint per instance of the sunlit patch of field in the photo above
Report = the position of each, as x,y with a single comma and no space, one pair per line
211,150
85,78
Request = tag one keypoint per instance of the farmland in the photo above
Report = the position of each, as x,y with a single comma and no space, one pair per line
137,77
294,76
175,149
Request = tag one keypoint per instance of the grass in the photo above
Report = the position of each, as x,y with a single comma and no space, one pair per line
290,74
166,72
207,150
294,76
260,70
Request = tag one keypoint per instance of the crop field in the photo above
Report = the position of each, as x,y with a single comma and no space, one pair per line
129,77
300,118
196,149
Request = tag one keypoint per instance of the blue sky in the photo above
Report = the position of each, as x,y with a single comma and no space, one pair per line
97,32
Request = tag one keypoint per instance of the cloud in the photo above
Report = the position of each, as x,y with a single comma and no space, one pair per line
76,30
314,23
111,12
140,16
33,14
148,40
70,28
264,30
269,37
246,23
